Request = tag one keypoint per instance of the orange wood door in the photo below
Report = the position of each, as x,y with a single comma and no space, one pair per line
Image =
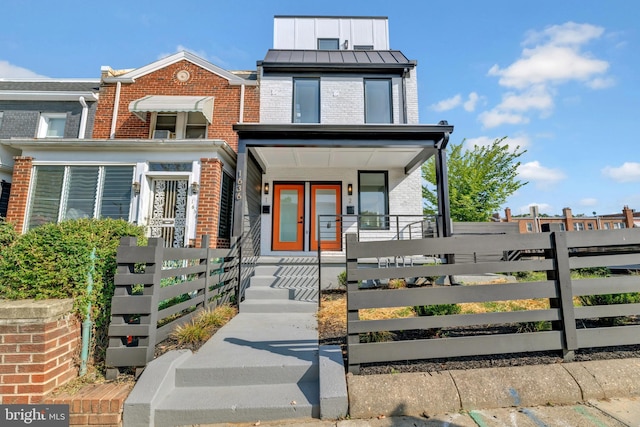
288,217
325,216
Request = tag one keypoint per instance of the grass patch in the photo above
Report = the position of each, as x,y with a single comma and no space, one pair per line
204,325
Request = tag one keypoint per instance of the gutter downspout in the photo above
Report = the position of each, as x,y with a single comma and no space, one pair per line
404,95
83,117
87,325
240,120
114,117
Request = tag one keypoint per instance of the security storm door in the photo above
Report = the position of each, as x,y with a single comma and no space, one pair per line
325,216
288,217
169,211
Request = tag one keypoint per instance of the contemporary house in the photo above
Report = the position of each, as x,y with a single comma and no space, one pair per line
322,139
339,145
43,109
162,153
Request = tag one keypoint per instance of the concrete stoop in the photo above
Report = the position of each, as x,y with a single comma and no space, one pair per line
265,364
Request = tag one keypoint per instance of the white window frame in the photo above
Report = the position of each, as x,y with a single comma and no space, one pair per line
64,195
181,124
578,226
43,124
529,227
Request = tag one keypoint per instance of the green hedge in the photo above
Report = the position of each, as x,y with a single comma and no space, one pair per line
54,260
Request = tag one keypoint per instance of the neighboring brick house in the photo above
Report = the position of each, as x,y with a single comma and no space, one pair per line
532,223
338,134
162,153
46,109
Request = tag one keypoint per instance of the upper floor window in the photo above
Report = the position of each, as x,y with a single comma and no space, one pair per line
578,226
562,227
529,227
190,125
328,44
618,225
71,192
306,100
377,100
52,125
590,226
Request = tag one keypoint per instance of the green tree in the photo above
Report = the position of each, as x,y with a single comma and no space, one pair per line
480,180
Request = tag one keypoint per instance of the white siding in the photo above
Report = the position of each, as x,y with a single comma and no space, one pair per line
341,99
303,32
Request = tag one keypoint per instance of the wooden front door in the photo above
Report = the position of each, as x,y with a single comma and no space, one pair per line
325,216
288,217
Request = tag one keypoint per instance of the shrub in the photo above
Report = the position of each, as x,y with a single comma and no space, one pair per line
342,279
397,284
437,309
609,299
8,233
54,260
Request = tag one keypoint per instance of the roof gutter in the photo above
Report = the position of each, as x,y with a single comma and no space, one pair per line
83,117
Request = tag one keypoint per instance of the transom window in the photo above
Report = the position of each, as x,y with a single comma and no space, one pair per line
328,44
72,192
192,125
373,196
306,100
363,47
52,125
377,100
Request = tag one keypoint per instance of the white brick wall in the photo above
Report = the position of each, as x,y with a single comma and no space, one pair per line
341,99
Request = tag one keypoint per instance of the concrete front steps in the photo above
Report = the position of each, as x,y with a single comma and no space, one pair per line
265,364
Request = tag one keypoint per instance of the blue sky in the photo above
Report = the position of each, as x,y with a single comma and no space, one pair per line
560,79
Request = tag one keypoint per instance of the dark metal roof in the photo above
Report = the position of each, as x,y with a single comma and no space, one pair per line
354,60
343,132
50,86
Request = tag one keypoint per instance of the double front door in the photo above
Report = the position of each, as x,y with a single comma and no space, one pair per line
292,220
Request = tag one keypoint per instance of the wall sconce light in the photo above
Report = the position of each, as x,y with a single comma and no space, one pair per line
350,189
195,188
136,188
266,188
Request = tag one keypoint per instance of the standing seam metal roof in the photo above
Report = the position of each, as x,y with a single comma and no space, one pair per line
336,57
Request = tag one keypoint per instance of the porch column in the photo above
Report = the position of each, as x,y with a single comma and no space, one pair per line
16,212
442,186
239,193
209,201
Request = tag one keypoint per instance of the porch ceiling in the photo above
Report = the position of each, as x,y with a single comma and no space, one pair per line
335,157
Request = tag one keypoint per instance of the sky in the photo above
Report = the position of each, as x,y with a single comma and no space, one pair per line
559,78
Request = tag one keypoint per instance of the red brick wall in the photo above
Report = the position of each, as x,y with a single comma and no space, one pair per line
226,105
209,200
36,358
19,191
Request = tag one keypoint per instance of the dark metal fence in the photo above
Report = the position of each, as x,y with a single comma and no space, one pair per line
159,288
564,251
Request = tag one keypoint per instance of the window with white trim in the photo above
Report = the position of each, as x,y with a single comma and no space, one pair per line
578,226
328,44
52,125
192,125
562,227
618,225
72,192
529,227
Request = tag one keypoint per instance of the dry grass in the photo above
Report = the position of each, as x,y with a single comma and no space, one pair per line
501,306
204,325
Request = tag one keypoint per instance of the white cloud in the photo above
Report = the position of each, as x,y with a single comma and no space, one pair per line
588,201
470,103
521,141
549,58
536,98
628,172
495,117
549,64
543,177
10,71
447,104
601,83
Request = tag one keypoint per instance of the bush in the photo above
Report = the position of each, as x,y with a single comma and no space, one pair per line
54,260
8,233
342,280
609,299
437,309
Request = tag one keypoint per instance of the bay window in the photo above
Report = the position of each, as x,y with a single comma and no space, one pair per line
71,192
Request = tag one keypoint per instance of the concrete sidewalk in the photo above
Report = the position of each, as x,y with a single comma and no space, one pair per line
622,412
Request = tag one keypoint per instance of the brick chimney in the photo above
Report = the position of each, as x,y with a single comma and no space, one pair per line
568,218
507,214
628,217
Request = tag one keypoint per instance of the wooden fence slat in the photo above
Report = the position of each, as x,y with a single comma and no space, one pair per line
136,304
181,288
606,285
608,337
381,298
614,310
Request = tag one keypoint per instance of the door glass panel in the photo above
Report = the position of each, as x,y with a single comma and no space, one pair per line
289,215
325,204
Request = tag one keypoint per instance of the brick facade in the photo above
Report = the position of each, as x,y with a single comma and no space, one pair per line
209,201
226,108
39,353
533,223
18,199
